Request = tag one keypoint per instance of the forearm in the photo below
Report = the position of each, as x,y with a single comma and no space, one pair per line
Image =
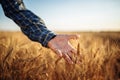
30,24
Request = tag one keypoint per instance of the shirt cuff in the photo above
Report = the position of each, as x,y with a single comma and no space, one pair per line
48,37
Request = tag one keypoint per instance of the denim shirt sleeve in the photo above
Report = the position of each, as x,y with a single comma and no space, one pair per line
30,24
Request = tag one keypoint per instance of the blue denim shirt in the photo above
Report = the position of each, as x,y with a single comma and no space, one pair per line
30,24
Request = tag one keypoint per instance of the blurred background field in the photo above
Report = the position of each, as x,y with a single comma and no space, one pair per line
22,59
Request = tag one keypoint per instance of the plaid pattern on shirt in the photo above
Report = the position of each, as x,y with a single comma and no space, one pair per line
30,24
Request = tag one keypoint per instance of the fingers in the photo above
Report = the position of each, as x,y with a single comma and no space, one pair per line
71,48
70,54
67,58
67,53
59,53
74,51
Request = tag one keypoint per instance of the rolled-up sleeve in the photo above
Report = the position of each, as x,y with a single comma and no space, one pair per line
30,24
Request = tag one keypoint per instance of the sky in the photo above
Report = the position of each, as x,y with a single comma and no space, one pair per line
72,15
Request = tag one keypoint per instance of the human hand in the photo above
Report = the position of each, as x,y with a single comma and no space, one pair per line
61,46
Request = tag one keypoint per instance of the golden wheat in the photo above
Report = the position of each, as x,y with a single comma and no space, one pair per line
22,59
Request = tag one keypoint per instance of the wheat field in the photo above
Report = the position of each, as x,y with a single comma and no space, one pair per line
23,59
